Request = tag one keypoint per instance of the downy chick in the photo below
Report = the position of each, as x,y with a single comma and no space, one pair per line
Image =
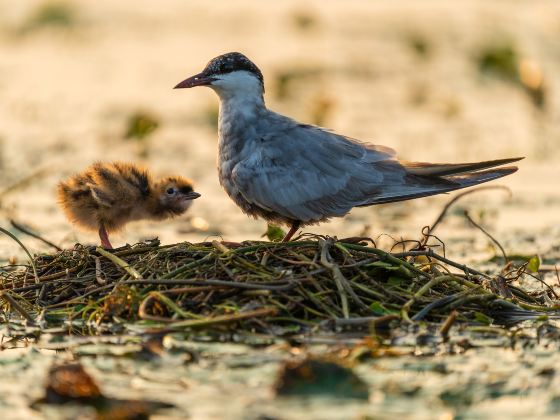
106,196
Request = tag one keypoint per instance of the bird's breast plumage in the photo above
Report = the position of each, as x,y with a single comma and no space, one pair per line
240,145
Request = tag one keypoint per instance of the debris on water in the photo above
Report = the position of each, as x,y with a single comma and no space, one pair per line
504,61
315,377
419,44
304,20
500,60
69,383
51,14
140,125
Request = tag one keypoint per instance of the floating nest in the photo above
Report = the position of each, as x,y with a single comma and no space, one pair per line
317,284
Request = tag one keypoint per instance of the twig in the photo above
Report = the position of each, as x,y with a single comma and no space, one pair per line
170,282
424,289
119,262
443,212
13,303
448,323
434,305
392,258
432,254
481,298
217,320
220,247
162,297
469,218
366,320
183,269
23,229
323,245
281,287
31,260
98,272
143,308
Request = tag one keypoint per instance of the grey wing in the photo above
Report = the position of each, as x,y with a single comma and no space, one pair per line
308,174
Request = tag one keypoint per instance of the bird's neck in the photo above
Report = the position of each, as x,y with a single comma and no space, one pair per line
239,117
154,209
240,107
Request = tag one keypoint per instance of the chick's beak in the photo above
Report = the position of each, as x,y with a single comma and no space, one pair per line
191,195
199,79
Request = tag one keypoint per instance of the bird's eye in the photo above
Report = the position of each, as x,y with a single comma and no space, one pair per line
170,191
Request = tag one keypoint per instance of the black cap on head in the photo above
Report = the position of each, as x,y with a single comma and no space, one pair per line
229,62
223,64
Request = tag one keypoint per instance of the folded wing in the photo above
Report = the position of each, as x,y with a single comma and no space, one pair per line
309,174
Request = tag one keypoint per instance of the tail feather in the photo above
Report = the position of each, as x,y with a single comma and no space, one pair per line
474,178
448,184
446,169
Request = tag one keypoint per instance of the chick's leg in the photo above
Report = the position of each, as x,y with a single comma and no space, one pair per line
293,229
104,236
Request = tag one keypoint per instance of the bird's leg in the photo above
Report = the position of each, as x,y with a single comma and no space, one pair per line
293,229
104,236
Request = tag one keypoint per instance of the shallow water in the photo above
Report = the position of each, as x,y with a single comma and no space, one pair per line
491,374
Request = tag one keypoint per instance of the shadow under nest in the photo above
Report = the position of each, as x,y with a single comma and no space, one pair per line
317,284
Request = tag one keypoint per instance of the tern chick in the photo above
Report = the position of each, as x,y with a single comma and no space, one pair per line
284,171
106,196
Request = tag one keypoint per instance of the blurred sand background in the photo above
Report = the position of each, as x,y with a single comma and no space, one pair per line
420,77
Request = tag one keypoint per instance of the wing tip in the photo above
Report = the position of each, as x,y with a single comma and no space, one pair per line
511,160
479,177
450,169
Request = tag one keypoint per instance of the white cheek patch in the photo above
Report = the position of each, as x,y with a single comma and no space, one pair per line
238,82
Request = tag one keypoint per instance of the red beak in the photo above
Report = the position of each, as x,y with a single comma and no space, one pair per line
196,80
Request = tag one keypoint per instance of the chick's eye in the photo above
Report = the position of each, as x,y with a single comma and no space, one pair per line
170,191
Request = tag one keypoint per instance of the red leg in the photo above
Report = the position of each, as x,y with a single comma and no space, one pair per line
291,232
104,236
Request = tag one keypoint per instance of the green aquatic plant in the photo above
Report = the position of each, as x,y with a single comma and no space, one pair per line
274,233
500,60
51,14
504,61
140,125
